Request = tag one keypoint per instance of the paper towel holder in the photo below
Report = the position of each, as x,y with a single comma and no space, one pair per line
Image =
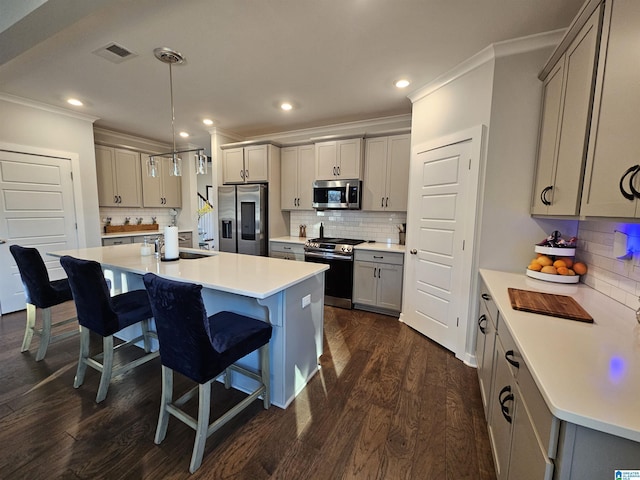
621,246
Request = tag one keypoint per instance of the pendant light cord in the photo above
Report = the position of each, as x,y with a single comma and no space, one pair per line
173,115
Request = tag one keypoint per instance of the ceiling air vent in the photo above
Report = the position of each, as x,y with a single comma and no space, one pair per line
115,53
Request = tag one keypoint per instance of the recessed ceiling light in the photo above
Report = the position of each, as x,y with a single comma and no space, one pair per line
286,106
207,121
184,134
403,83
75,102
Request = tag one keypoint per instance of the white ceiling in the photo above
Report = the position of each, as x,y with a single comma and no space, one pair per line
335,60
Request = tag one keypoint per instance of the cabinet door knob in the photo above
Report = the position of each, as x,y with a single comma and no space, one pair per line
508,355
507,398
632,180
629,196
413,251
543,195
483,318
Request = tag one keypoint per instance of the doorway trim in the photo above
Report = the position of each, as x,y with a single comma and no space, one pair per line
477,135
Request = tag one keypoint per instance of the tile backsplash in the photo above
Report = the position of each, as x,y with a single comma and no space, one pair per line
377,226
614,277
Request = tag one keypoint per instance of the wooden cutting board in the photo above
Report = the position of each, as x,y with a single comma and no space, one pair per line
561,306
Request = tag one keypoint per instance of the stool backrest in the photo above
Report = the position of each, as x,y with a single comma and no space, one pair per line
181,323
35,277
91,295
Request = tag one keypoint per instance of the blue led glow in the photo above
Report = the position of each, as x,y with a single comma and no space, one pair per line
617,369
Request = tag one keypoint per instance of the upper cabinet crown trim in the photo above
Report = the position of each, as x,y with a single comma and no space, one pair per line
572,32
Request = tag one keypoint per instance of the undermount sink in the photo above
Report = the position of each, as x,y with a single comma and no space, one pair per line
192,255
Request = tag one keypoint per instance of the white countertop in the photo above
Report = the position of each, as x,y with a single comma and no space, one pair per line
252,276
588,374
376,246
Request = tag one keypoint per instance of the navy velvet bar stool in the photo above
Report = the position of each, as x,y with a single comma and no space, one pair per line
105,315
202,348
41,293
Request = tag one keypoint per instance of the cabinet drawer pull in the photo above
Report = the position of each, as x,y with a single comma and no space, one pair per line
507,398
510,353
242,174
483,318
374,272
629,196
376,256
543,195
485,296
382,202
338,170
246,174
334,171
387,202
286,248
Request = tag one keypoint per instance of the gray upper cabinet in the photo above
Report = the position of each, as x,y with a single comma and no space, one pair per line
612,186
339,159
566,113
296,186
118,175
246,164
161,191
386,173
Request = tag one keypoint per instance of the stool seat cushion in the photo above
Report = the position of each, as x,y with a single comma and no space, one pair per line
130,307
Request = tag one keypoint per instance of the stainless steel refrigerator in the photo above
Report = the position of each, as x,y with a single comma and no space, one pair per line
242,213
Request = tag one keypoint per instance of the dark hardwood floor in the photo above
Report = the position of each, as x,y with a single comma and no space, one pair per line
387,404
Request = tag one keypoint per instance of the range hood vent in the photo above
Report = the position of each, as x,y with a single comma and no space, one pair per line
115,52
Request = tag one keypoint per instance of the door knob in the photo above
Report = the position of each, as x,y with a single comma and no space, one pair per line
413,251
2,241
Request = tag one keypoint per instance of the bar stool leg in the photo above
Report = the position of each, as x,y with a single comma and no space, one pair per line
107,367
84,355
167,398
45,337
204,403
264,372
145,334
31,324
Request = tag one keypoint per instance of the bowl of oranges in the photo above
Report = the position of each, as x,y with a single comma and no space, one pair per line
556,265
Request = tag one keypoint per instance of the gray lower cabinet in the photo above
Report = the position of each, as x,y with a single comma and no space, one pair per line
287,251
377,281
522,431
485,344
185,239
116,241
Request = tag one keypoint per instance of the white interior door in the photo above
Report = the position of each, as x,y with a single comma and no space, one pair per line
36,210
440,220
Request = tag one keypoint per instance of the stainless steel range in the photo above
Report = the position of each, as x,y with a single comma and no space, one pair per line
338,280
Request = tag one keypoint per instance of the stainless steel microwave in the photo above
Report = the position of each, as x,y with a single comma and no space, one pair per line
337,194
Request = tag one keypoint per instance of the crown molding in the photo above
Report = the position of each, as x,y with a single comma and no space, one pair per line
496,50
47,108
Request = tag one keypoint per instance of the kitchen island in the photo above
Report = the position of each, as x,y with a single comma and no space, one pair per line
289,295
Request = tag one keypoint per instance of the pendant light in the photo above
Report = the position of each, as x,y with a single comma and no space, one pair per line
171,57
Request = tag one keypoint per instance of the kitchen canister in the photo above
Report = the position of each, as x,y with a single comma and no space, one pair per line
171,244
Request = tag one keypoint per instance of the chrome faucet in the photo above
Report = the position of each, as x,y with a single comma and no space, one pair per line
159,243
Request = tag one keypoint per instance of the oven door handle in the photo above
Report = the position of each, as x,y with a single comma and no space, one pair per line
329,256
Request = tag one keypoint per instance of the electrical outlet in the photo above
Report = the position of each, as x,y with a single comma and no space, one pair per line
306,301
